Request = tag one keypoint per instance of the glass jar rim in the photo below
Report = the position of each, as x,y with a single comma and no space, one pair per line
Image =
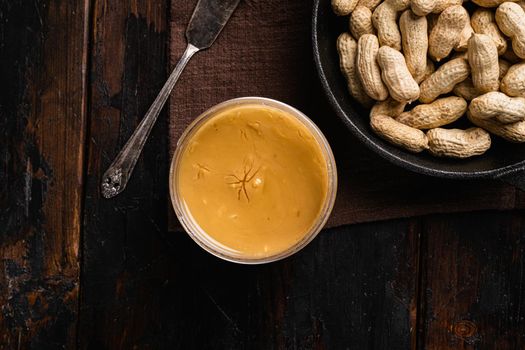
198,234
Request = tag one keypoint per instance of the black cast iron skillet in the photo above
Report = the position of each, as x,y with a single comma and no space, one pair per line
503,161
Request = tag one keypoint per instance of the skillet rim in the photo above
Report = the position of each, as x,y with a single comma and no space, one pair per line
378,148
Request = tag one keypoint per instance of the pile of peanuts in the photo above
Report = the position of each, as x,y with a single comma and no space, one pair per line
452,62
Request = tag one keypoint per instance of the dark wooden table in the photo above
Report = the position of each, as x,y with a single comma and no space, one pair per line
79,271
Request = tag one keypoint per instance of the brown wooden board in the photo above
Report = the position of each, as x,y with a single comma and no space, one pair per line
122,237
436,282
472,288
43,57
353,287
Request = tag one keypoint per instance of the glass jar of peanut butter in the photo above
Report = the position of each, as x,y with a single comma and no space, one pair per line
253,180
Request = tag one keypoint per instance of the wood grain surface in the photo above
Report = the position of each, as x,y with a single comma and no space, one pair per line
43,124
353,287
472,282
77,271
122,245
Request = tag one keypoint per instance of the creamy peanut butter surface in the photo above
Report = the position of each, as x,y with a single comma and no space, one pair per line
254,178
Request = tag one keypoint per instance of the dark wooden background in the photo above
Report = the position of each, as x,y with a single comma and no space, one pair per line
79,271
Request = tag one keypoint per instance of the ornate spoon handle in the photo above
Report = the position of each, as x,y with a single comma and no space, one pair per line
116,177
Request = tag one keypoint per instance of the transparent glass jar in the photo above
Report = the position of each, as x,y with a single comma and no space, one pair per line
192,227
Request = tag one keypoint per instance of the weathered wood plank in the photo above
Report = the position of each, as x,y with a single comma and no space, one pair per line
43,52
123,237
353,287
472,281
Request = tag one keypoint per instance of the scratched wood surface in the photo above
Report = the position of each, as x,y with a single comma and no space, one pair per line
123,269
79,271
472,287
43,51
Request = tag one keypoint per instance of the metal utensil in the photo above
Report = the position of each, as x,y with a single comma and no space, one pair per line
207,21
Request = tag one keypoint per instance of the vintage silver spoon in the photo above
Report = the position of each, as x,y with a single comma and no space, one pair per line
207,21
